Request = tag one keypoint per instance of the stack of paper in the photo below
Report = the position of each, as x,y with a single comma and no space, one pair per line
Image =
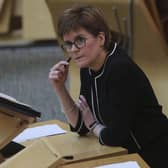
37,132
130,164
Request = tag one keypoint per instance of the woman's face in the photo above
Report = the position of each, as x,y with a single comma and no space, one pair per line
85,49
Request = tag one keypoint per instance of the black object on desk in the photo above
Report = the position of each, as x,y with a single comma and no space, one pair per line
11,149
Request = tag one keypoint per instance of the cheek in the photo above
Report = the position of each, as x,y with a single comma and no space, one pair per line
92,45
93,50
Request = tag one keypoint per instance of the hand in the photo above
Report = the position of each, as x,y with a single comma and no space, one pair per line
58,74
86,112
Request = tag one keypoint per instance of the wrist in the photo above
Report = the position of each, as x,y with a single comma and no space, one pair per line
92,125
97,129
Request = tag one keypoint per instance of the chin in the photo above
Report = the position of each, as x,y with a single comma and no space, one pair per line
82,65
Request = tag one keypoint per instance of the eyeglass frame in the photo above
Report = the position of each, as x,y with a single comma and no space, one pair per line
65,44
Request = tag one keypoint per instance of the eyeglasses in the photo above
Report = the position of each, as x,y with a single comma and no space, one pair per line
79,43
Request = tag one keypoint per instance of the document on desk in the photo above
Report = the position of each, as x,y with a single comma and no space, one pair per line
40,131
132,164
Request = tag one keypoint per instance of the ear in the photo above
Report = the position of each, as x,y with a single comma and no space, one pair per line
101,37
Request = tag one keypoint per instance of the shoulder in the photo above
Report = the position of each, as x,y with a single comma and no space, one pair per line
121,64
119,60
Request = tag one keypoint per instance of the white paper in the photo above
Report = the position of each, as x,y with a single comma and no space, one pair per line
129,164
7,97
10,98
37,132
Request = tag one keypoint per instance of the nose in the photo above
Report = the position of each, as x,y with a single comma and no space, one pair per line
74,48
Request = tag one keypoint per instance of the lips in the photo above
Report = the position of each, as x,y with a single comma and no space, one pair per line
78,58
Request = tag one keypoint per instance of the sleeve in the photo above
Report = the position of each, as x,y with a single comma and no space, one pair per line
123,104
80,126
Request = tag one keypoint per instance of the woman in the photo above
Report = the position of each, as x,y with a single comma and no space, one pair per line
116,103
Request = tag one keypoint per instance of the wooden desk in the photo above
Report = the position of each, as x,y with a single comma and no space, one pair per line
109,160
81,147
52,150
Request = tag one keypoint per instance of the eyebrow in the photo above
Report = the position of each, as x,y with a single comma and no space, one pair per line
79,35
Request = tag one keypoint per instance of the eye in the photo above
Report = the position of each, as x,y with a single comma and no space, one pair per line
80,41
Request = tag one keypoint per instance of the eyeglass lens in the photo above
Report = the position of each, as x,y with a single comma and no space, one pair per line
79,43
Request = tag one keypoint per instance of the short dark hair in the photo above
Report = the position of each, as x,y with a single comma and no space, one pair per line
84,16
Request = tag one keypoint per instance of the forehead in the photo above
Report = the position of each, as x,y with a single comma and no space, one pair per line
70,36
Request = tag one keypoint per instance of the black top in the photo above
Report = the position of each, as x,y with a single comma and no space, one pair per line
121,98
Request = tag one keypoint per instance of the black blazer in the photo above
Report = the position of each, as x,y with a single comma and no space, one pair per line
122,99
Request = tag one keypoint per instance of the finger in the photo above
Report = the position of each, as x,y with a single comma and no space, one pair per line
59,73
56,75
83,100
60,65
85,109
77,104
57,69
80,105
